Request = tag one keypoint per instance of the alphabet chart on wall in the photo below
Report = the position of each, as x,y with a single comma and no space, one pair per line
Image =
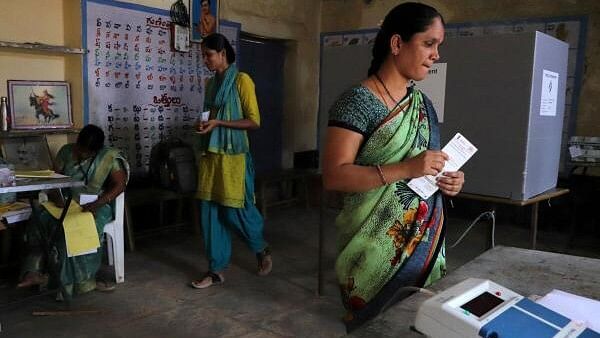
138,90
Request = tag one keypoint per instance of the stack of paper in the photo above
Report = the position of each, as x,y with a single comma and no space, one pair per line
33,173
574,307
15,212
81,235
38,174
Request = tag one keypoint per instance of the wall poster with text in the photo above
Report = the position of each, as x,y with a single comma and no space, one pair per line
137,89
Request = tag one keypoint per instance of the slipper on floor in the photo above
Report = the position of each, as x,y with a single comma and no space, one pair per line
265,262
105,286
209,279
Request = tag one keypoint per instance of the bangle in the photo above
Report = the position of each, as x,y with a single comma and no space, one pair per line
381,175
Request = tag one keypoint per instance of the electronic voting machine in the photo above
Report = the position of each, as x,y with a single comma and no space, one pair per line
482,308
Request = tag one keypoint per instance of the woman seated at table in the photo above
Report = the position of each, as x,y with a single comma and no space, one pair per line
104,172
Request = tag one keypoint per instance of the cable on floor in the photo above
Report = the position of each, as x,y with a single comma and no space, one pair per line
488,214
402,291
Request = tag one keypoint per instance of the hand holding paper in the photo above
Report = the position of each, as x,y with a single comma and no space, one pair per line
89,202
81,235
459,151
429,162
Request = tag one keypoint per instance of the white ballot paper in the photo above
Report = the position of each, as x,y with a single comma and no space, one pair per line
87,198
459,151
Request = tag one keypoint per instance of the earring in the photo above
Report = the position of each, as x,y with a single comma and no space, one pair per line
396,46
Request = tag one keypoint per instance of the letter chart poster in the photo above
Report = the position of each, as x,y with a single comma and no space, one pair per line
138,90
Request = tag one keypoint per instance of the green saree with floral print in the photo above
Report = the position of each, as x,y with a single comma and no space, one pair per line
389,238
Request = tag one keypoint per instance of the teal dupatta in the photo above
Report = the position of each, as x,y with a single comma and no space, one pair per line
225,100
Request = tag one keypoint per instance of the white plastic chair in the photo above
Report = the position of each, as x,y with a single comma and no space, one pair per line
116,245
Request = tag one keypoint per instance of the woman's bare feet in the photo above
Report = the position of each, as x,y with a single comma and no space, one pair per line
32,278
265,262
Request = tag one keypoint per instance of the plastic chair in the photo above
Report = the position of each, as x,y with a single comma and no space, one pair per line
116,245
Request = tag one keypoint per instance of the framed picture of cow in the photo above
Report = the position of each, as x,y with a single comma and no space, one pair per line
39,104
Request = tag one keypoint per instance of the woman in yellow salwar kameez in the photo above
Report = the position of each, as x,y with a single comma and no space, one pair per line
226,173
381,134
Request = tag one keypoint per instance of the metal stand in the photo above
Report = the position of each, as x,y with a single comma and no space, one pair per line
320,251
53,258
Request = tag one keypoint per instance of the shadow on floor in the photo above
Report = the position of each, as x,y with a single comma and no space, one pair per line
156,300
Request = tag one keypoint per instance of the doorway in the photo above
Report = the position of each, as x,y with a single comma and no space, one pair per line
263,59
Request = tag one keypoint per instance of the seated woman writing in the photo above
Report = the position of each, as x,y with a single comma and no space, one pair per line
105,172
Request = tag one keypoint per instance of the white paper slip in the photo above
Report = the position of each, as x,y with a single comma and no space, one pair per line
459,151
575,151
87,198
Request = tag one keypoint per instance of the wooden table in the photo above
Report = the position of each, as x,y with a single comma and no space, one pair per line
36,184
295,180
527,272
533,201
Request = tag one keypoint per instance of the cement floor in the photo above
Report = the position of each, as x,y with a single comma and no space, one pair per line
156,300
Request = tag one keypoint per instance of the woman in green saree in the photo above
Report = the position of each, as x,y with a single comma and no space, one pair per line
105,172
381,134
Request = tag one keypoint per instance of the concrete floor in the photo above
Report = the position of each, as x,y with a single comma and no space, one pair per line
156,301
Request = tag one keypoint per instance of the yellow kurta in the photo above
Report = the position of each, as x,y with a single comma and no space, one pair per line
221,178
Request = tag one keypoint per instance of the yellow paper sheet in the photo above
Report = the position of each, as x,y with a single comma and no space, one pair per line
13,206
80,229
34,173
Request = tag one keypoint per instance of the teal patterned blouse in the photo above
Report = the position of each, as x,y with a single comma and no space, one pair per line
358,110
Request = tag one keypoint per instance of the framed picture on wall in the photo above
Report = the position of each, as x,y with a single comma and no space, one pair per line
204,18
39,104
180,38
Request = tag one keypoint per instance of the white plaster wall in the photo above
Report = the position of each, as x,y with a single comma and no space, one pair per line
298,22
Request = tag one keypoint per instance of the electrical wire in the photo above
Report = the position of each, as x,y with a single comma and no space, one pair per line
402,291
492,215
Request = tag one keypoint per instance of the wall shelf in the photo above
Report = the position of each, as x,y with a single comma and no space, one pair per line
36,132
36,46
